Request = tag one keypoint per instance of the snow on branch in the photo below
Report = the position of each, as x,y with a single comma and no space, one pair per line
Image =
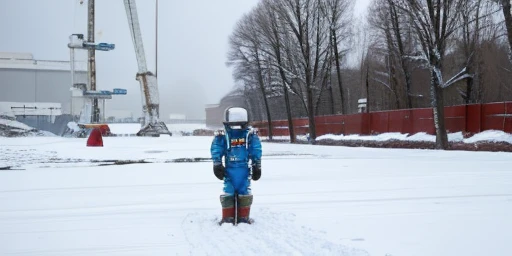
416,95
462,93
458,77
416,58
382,83
381,73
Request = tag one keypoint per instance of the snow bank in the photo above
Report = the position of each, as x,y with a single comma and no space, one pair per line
491,135
73,126
13,128
15,124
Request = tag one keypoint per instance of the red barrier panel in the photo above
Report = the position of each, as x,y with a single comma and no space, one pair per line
400,121
357,124
300,122
379,122
396,121
507,126
422,120
332,124
472,118
455,118
493,116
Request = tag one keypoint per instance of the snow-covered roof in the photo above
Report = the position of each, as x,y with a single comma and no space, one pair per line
15,124
10,60
212,106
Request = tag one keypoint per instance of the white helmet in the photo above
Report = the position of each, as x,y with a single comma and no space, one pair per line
236,116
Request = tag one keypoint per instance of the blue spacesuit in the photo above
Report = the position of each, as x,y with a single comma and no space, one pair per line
239,146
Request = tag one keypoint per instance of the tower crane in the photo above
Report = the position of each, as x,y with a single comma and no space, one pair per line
151,125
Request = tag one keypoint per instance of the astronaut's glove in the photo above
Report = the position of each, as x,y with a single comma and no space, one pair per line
218,170
256,171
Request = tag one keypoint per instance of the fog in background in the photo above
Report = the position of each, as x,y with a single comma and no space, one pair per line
192,46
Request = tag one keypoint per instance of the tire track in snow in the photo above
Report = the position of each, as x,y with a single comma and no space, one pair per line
271,234
393,199
141,249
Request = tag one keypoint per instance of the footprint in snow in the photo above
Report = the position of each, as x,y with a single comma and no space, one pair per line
271,234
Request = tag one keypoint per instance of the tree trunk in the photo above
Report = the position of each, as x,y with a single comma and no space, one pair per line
265,100
367,87
396,28
331,100
277,50
469,90
508,23
393,81
470,81
338,69
291,129
311,107
437,94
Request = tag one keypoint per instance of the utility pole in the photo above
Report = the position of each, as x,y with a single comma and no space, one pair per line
92,60
156,39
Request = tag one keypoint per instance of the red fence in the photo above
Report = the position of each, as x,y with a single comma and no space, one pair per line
466,118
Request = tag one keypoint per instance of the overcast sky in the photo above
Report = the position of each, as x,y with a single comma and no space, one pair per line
192,45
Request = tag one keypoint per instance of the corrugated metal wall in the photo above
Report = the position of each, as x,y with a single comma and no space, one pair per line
470,119
37,86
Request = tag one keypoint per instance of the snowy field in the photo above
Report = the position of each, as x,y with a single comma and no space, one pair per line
175,129
62,198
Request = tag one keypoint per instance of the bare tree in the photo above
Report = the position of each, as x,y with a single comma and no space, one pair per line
307,26
294,54
339,15
388,22
434,22
247,56
361,56
385,64
506,7
272,30
396,23
478,25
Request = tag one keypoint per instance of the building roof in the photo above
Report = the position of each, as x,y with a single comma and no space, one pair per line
14,60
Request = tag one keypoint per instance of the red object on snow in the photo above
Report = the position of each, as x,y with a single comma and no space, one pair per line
95,138
104,128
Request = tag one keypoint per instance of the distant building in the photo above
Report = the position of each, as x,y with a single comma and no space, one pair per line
24,79
175,116
120,115
215,112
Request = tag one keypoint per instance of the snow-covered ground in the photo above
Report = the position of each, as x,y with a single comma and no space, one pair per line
63,198
176,129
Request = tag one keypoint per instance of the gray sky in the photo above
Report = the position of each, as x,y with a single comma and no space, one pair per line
193,41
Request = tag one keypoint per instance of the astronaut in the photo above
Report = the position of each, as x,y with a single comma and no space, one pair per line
240,148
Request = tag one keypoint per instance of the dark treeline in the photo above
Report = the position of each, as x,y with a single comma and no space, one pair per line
304,58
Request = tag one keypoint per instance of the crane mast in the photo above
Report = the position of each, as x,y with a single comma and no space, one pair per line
151,125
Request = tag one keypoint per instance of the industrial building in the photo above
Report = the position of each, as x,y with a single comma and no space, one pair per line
24,79
37,92
215,112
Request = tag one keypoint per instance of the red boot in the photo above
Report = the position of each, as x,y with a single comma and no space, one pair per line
244,208
228,209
